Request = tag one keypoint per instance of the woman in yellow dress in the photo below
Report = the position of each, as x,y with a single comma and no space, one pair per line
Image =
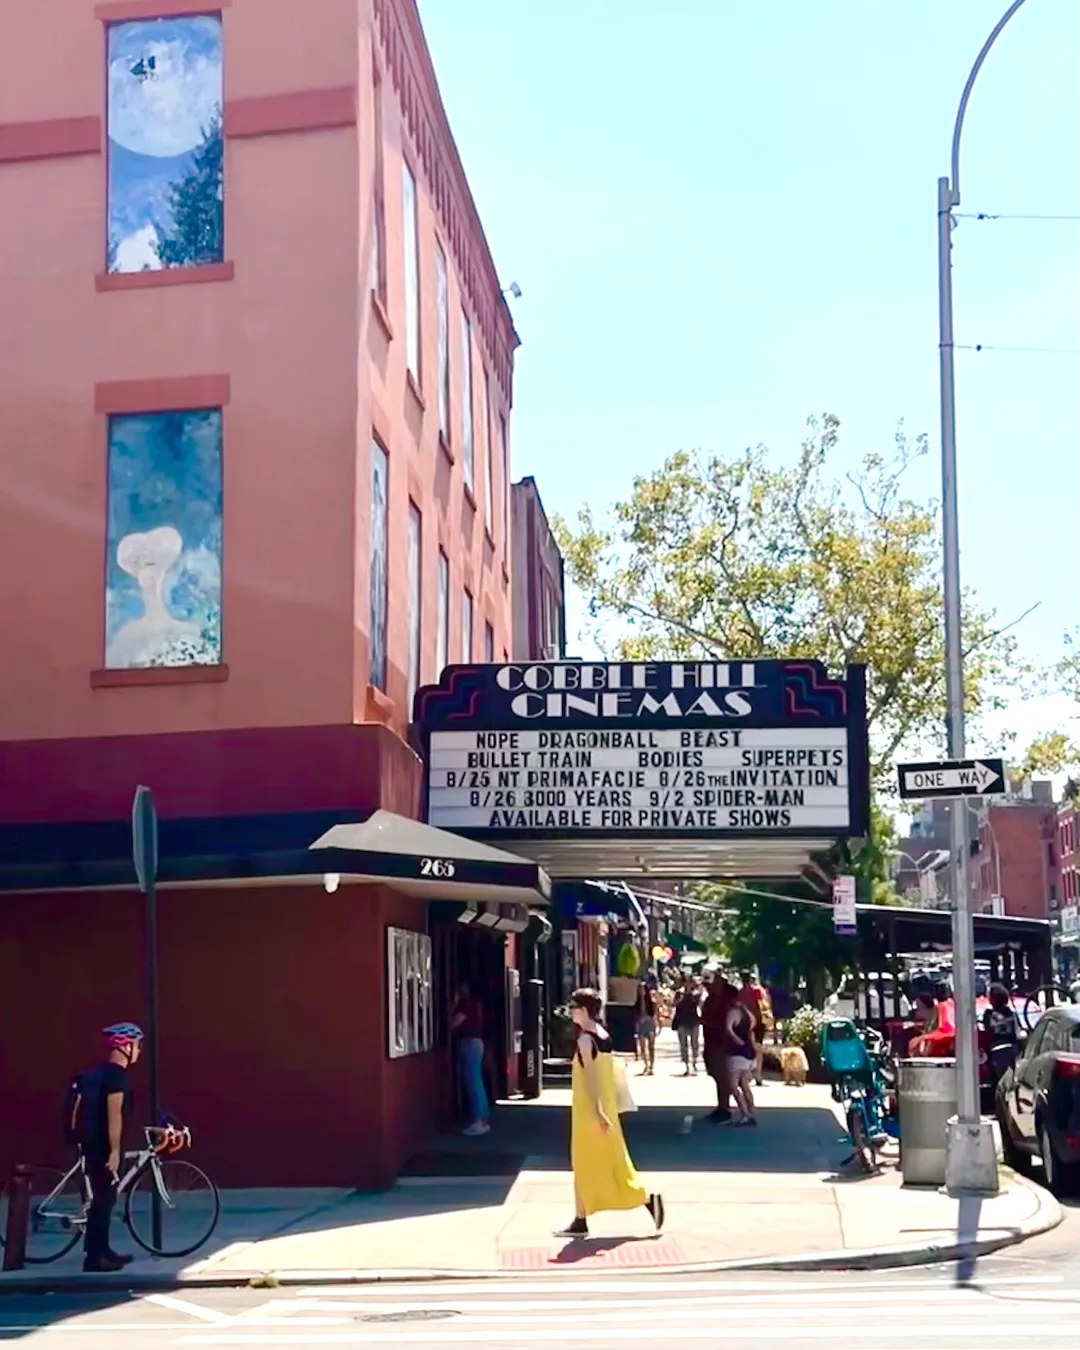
604,1174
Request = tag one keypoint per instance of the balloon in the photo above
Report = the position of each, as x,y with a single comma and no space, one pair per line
660,953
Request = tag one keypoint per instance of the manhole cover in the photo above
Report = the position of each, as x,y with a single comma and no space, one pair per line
412,1315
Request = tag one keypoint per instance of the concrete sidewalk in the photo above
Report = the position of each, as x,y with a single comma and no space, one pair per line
778,1196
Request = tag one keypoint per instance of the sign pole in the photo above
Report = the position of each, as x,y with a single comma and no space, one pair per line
971,1163
145,857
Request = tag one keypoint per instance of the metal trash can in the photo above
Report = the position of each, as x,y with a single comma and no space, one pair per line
927,1093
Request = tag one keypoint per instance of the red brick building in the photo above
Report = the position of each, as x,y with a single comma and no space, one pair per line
254,494
1018,860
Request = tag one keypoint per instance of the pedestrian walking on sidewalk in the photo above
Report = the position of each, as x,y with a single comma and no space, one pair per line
647,1024
467,1024
719,1000
742,1059
604,1174
755,1000
687,1023
96,1112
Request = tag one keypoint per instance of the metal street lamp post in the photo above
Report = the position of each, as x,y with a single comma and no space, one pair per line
971,1158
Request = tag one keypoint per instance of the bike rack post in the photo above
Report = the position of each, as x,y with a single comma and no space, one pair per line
18,1217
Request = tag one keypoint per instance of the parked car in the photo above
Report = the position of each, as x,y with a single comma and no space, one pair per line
1038,1101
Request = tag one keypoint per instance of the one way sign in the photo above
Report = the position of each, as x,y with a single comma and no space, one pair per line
953,778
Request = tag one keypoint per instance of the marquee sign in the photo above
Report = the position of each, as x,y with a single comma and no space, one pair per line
647,749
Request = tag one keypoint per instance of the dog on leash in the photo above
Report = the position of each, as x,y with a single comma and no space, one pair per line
794,1065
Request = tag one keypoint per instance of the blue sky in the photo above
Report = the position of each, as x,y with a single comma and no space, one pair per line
722,218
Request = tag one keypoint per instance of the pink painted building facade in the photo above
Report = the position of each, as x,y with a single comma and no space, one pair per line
352,304
255,384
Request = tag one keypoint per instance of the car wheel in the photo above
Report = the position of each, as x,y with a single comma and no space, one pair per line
1062,1179
1011,1152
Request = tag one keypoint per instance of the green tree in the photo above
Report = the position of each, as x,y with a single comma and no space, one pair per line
196,233
790,941
1047,755
793,940
737,558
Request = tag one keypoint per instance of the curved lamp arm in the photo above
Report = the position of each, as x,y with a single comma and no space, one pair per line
958,126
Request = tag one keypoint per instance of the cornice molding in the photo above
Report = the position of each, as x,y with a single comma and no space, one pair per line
408,62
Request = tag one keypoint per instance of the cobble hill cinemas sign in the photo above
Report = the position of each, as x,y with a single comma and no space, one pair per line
584,750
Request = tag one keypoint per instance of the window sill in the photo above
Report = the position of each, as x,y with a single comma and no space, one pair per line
470,495
379,707
380,313
489,538
165,276
506,575
142,675
414,389
447,448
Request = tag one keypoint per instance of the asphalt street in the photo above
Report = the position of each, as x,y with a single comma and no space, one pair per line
1019,1297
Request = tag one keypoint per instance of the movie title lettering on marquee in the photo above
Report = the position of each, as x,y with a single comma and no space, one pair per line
580,749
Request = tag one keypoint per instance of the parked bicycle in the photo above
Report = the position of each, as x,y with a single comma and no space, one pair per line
860,1072
189,1201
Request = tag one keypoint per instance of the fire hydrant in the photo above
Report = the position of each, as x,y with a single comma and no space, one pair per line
18,1217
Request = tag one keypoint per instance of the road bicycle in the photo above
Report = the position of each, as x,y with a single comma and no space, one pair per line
189,1202
862,1083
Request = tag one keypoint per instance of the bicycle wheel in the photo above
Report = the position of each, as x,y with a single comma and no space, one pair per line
860,1137
57,1215
190,1207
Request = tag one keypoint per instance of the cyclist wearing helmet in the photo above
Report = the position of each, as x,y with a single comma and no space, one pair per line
105,1108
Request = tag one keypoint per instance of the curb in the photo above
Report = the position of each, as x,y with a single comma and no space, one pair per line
1048,1214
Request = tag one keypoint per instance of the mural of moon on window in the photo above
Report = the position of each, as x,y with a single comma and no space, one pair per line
166,151
163,593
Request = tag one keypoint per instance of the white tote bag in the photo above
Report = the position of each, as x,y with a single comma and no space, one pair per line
623,1096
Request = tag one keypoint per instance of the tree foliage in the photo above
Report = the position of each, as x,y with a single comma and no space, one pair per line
737,558
1047,755
195,235
791,941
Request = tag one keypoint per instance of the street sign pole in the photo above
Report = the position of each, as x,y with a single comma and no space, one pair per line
145,856
971,1157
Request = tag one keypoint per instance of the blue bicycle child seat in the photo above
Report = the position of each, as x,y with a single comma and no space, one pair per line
843,1051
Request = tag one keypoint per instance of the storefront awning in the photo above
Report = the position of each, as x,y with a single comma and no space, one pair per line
421,860
276,848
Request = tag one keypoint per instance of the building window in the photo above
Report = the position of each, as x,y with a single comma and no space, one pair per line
489,644
466,628
416,537
468,449
408,983
486,461
504,448
378,196
166,161
442,631
380,530
163,579
442,300
412,273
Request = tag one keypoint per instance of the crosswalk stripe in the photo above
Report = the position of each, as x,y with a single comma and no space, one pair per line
1020,1331
507,1288
852,1298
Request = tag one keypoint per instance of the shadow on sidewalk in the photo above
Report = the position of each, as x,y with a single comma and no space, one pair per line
527,1136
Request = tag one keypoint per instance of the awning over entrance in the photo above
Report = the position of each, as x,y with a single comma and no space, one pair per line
427,862
279,848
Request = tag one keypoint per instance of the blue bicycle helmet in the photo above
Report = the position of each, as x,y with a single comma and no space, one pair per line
122,1035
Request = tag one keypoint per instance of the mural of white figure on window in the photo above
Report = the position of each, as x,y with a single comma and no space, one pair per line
166,152
163,599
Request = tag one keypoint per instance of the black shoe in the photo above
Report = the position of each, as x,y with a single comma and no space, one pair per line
578,1229
125,1258
719,1116
655,1206
102,1265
